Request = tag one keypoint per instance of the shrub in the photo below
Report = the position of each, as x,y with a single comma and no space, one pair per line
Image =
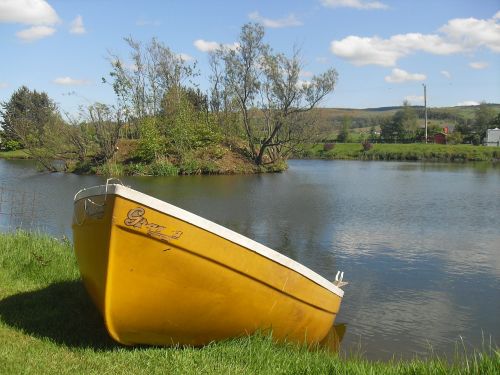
151,142
138,169
163,167
455,138
328,146
111,169
11,145
367,146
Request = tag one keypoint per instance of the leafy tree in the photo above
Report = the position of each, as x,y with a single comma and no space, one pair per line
496,122
484,119
142,85
391,130
346,127
188,128
406,119
25,115
402,125
257,78
151,142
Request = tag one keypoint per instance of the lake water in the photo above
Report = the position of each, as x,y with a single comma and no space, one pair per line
419,243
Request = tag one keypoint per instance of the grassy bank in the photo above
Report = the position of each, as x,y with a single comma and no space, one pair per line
17,154
48,325
413,152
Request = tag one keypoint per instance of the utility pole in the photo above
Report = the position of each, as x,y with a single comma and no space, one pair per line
425,109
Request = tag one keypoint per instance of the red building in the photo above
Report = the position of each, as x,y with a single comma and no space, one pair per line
440,138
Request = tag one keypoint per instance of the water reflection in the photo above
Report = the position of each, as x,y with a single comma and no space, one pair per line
418,242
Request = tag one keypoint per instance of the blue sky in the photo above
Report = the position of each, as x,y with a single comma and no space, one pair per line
383,50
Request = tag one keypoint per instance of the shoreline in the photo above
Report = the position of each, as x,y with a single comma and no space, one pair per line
401,152
232,163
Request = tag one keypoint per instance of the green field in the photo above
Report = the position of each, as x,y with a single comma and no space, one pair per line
411,152
49,326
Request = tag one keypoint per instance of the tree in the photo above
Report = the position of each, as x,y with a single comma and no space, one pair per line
25,115
256,79
406,119
496,121
285,102
403,124
105,122
241,75
346,127
484,119
141,86
391,130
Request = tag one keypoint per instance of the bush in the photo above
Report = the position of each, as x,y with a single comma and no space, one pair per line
163,167
367,146
138,169
11,145
455,138
111,169
328,146
151,142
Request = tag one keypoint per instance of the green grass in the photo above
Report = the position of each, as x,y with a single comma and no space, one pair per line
48,326
17,154
412,151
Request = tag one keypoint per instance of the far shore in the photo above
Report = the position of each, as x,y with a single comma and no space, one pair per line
231,163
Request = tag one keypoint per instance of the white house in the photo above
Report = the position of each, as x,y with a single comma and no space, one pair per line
493,137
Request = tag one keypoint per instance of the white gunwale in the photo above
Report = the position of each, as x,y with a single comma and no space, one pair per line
219,230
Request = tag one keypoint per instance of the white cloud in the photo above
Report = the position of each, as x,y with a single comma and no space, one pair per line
68,81
366,51
446,73
478,65
358,4
29,12
77,26
3,85
306,74
35,33
36,13
400,76
210,46
458,35
206,46
467,103
414,99
386,52
289,21
472,33
185,57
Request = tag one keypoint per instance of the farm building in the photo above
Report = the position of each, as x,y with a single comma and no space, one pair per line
493,137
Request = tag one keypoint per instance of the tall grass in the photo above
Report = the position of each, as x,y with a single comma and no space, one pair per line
49,326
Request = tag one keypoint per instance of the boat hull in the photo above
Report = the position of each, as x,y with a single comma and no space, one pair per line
158,278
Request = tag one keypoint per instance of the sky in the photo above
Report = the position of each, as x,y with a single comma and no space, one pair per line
384,51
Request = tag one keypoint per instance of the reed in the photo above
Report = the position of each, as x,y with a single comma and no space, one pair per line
49,326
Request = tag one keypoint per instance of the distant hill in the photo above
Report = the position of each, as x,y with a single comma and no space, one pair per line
331,119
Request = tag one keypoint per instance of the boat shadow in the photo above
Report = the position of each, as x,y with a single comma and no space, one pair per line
61,312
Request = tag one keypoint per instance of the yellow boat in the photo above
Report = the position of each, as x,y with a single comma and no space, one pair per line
161,275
